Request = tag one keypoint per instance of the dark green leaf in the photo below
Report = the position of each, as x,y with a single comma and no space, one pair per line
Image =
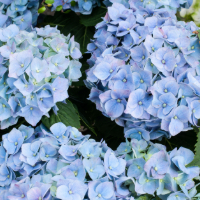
196,161
94,18
70,23
49,1
184,139
42,9
66,114
73,3
67,11
59,8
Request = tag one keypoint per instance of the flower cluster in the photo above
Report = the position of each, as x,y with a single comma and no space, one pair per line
36,71
22,13
151,5
144,70
64,164
84,7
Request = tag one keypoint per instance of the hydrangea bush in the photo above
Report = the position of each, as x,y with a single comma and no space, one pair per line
36,70
144,70
22,13
61,163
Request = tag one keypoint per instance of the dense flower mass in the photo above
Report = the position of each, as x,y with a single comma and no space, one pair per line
144,70
84,7
173,5
23,13
36,71
61,163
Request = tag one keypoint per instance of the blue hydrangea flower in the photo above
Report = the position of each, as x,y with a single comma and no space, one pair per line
45,168
37,69
22,13
158,65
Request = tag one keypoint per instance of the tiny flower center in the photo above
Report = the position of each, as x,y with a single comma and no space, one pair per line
44,88
41,99
140,37
128,29
22,19
156,168
56,64
25,136
165,90
110,167
126,55
3,105
147,180
47,156
138,167
34,154
183,97
152,48
141,81
37,70
111,71
99,195
70,192
75,173
161,180
57,136
118,100
22,196
152,64
31,108
16,143
8,176
125,150
164,104
88,155
175,117
176,65
4,83
192,47
124,80
163,61
91,170
139,132
193,110
22,65
143,57
140,103
54,89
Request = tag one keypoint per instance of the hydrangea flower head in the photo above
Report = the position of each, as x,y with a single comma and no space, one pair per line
155,85
43,167
37,69
22,13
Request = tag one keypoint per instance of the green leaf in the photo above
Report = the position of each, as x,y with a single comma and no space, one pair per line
49,1
42,9
70,23
94,18
67,11
66,114
73,3
59,8
196,161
